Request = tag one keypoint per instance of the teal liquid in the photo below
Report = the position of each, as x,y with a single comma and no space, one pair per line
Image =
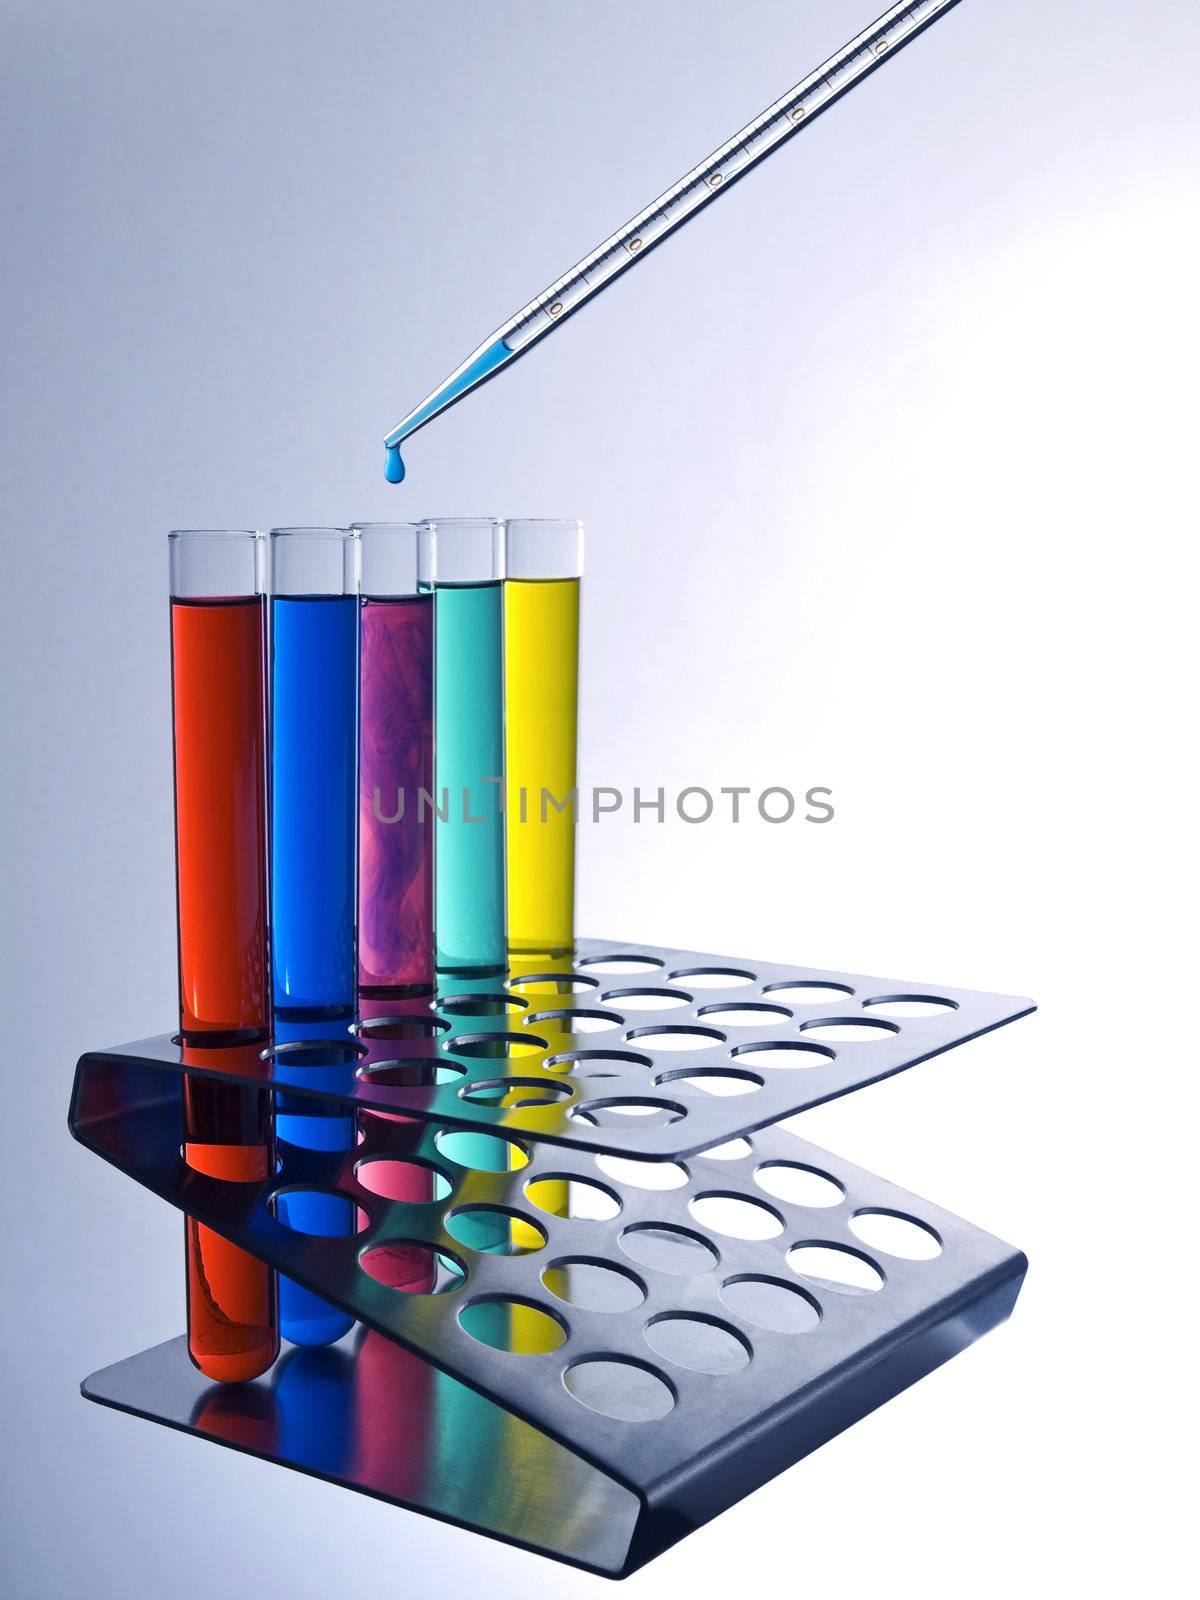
468,749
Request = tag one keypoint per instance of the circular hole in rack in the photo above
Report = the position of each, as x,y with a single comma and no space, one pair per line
666,1248
600,1111
315,1053
641,1174
579,1199
515,1093
731,1150
494,1046
749,1014
835,1267
701,1344
713,977
619,963
495,1230
675,1036
413,1268
799,1185
546,983
910,1005
896,1234
574,1019
484,1152
415,1183
777,1053
593,1285
480,1005
802,993
714,1080
319,1213
646,999
769,1303
735,1216
849,1030
591,1063
409,1072
402,1027
620,1388
517,1326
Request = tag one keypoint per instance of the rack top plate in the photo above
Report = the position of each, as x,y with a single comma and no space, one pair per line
634,1049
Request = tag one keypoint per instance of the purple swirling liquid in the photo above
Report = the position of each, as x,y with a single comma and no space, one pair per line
395,849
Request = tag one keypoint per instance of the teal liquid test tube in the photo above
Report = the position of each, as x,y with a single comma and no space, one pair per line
465,556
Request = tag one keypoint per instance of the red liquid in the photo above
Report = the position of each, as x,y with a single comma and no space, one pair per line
218,657
233,1323
218,654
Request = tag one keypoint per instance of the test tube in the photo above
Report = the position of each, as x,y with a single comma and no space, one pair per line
467,561
218,681
314,770
395,827
544,566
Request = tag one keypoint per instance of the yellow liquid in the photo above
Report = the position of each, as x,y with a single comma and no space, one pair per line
541,693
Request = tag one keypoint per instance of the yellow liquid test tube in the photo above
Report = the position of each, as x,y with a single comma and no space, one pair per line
543,566
544,562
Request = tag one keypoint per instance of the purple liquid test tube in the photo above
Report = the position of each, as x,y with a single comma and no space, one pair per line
395,850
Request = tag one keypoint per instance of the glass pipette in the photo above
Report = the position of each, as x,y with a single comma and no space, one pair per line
829,82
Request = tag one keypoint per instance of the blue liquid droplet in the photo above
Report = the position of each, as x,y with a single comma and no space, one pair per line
393,467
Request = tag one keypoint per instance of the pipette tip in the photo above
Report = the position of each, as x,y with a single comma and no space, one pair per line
393,467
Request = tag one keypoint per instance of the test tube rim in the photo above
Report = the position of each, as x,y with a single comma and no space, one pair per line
183,544
431,529
422,560
216,533
315,532
515,569
346,539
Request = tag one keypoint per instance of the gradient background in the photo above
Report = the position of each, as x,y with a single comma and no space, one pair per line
882,464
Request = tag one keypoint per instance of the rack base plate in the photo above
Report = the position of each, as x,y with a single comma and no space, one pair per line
370,1416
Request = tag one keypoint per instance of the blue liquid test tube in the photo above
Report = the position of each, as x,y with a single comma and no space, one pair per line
314,870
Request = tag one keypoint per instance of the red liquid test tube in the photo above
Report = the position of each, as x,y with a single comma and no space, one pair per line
218,670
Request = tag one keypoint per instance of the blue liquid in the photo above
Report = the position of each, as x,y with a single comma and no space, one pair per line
473,371
469,748
314,876
314,803
302,1124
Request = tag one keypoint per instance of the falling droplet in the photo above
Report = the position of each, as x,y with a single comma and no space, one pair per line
394,467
